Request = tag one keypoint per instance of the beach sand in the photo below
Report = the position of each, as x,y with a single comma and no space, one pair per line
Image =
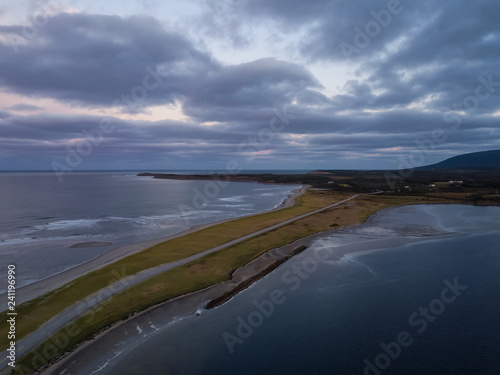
119,334
90,244
46,285
125,332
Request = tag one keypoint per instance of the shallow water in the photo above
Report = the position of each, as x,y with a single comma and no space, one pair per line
336,314
42,218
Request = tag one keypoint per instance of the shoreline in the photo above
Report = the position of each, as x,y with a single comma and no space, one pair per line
187,304
200,298
172,310
46,285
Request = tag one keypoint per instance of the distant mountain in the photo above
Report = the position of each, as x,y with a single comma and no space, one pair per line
475,160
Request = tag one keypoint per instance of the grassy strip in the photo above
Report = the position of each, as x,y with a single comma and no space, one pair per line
34,313
210,269
245,284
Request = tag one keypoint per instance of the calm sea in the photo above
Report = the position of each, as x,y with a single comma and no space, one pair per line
41,218
416,290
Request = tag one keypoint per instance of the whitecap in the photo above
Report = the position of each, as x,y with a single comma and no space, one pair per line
68,224
236,198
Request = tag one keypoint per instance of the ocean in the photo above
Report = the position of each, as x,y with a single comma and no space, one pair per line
415,290
42,218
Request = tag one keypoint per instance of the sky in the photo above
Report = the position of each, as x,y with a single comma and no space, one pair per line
261,84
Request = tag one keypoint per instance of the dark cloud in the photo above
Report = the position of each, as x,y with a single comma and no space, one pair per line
248,90
420,53
95,59
330,23
308,139
444,59
26,107
430,57
224,19
4,114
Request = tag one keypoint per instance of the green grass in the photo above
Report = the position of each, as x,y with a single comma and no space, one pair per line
34,313
214,268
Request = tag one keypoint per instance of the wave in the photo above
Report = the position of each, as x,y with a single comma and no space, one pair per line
194,214
277,194
268,188
49,228
67,224
236,198
97,227
40,231
233,205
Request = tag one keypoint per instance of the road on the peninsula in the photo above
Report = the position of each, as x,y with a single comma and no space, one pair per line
82,307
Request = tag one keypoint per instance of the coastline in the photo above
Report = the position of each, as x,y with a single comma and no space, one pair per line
190,302
172,310
38,288
140,346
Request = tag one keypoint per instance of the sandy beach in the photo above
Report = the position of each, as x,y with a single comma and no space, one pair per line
38,288
81,245
146,322
177,308
188,304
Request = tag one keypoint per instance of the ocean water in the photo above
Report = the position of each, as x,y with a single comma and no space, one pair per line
41,218
415,290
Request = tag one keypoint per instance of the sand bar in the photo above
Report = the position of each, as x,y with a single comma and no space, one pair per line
90,244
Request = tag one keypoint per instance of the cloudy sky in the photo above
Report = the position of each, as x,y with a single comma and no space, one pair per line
270,84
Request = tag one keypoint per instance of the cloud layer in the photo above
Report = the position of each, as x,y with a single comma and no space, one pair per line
414,71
